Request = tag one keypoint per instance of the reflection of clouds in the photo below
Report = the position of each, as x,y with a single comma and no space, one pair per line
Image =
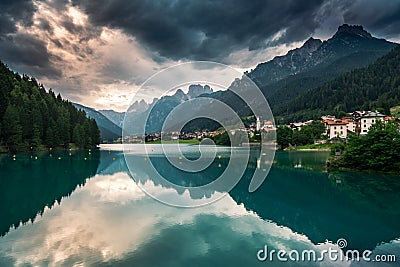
115,188
110,218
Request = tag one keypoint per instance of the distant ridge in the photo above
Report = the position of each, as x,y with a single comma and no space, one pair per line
114,116
160,108
108,130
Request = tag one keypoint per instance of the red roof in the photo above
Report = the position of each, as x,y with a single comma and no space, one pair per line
336,122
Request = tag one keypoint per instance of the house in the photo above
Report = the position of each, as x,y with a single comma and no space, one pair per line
268,126
352,125
366,119
336,128
358,122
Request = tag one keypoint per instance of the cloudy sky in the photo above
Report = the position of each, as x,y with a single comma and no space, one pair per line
99,52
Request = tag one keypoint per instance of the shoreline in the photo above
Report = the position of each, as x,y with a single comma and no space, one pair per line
3,152
307,149
343,169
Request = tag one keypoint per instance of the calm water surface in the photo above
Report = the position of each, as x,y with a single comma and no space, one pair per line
84,209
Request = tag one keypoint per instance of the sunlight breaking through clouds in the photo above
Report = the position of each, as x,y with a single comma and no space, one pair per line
98,54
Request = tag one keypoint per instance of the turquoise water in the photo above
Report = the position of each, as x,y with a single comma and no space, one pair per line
83,208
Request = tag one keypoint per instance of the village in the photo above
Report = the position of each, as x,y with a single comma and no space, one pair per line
357,122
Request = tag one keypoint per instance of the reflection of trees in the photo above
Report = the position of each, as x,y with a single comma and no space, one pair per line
375,191
32,182
308,203
303,200
309,160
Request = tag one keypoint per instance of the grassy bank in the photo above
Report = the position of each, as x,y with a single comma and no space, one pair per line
190,142
324,147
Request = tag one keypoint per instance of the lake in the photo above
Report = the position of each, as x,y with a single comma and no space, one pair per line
82,208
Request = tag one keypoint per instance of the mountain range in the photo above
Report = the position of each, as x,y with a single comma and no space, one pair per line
157,111
316,62
376,86
114,116
286,81
110,122
109,131
285,78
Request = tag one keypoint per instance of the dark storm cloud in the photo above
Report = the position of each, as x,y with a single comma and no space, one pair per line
205,29
23,52
380,17
27,54
15,11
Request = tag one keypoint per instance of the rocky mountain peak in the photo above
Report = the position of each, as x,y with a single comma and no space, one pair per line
197,89
312,44
353,29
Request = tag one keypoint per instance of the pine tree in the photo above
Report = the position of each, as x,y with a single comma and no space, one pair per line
12,129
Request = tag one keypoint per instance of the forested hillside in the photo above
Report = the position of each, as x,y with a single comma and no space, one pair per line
31,118
368,88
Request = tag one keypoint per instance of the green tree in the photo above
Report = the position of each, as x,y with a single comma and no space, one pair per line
95,133
315,130
378,150
302,137
36,140
284,136
12,129
78,136
222,139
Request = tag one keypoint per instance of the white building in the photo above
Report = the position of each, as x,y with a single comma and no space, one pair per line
367,120
336,128
360,122
258,124
352,125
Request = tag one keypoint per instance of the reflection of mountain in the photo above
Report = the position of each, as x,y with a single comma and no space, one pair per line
29,185
143,170
111,162
305,200
362,209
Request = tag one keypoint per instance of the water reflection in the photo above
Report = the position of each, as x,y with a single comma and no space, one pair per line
31,182
110,222
308,202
